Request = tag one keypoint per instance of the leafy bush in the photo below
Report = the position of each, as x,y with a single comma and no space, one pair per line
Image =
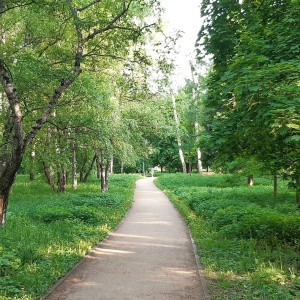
9,262
265,225
85,213
97,200
231,215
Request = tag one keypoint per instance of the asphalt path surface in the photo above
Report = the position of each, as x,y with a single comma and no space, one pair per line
149,256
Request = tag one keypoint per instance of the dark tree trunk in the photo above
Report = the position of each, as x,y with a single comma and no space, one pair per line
9,166
31,176
12,149
67,174
275,185
32,165
61,181
88,173
81,171
190,166
298,190
98,164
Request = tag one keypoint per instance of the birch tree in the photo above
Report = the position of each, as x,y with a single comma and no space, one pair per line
196,122
62,40
179,140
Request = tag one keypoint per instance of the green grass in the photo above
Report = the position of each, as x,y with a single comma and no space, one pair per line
248,241
48,233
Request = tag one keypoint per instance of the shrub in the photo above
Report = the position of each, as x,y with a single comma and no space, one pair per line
264,224
231,215
97,200
83,213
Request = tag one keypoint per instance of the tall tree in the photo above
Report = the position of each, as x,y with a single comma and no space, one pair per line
196,121
256,104
178,134
62,39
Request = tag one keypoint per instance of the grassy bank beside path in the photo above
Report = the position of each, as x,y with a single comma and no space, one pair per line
248,241
48,233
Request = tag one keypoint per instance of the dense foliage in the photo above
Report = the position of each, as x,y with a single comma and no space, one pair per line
253,88
248,241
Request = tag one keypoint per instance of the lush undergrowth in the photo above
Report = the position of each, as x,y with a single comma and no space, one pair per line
47,233
248,241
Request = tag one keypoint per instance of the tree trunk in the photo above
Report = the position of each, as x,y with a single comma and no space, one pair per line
32,165
105,171
111,165
275,187
67,174
144,172
196,124
48,171
61,181
298,190
88,173
31,176
3,208
12,148
199,161
104,178
190,166
250,180
9,166
98,164
81,171
181,154
74,169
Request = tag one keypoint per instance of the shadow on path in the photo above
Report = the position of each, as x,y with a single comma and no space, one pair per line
149,256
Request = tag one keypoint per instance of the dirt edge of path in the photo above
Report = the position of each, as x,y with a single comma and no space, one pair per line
77,265
200,268
83,259
197,258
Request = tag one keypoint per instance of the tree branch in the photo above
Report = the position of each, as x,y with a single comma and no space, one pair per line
88,5
16,6
65,83
110,25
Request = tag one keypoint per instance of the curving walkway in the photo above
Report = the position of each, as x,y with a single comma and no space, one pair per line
149,256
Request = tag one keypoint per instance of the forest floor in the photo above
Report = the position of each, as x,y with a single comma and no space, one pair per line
149,256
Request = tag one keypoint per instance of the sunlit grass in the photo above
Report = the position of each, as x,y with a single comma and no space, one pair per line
48,233
248,241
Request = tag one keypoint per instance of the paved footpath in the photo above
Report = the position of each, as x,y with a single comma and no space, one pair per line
149,256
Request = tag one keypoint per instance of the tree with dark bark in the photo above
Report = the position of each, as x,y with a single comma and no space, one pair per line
61,41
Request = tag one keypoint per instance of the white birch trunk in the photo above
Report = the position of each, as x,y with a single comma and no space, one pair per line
112,165
179,142
196,125
74,169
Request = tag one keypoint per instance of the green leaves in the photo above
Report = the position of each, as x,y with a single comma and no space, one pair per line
254,93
